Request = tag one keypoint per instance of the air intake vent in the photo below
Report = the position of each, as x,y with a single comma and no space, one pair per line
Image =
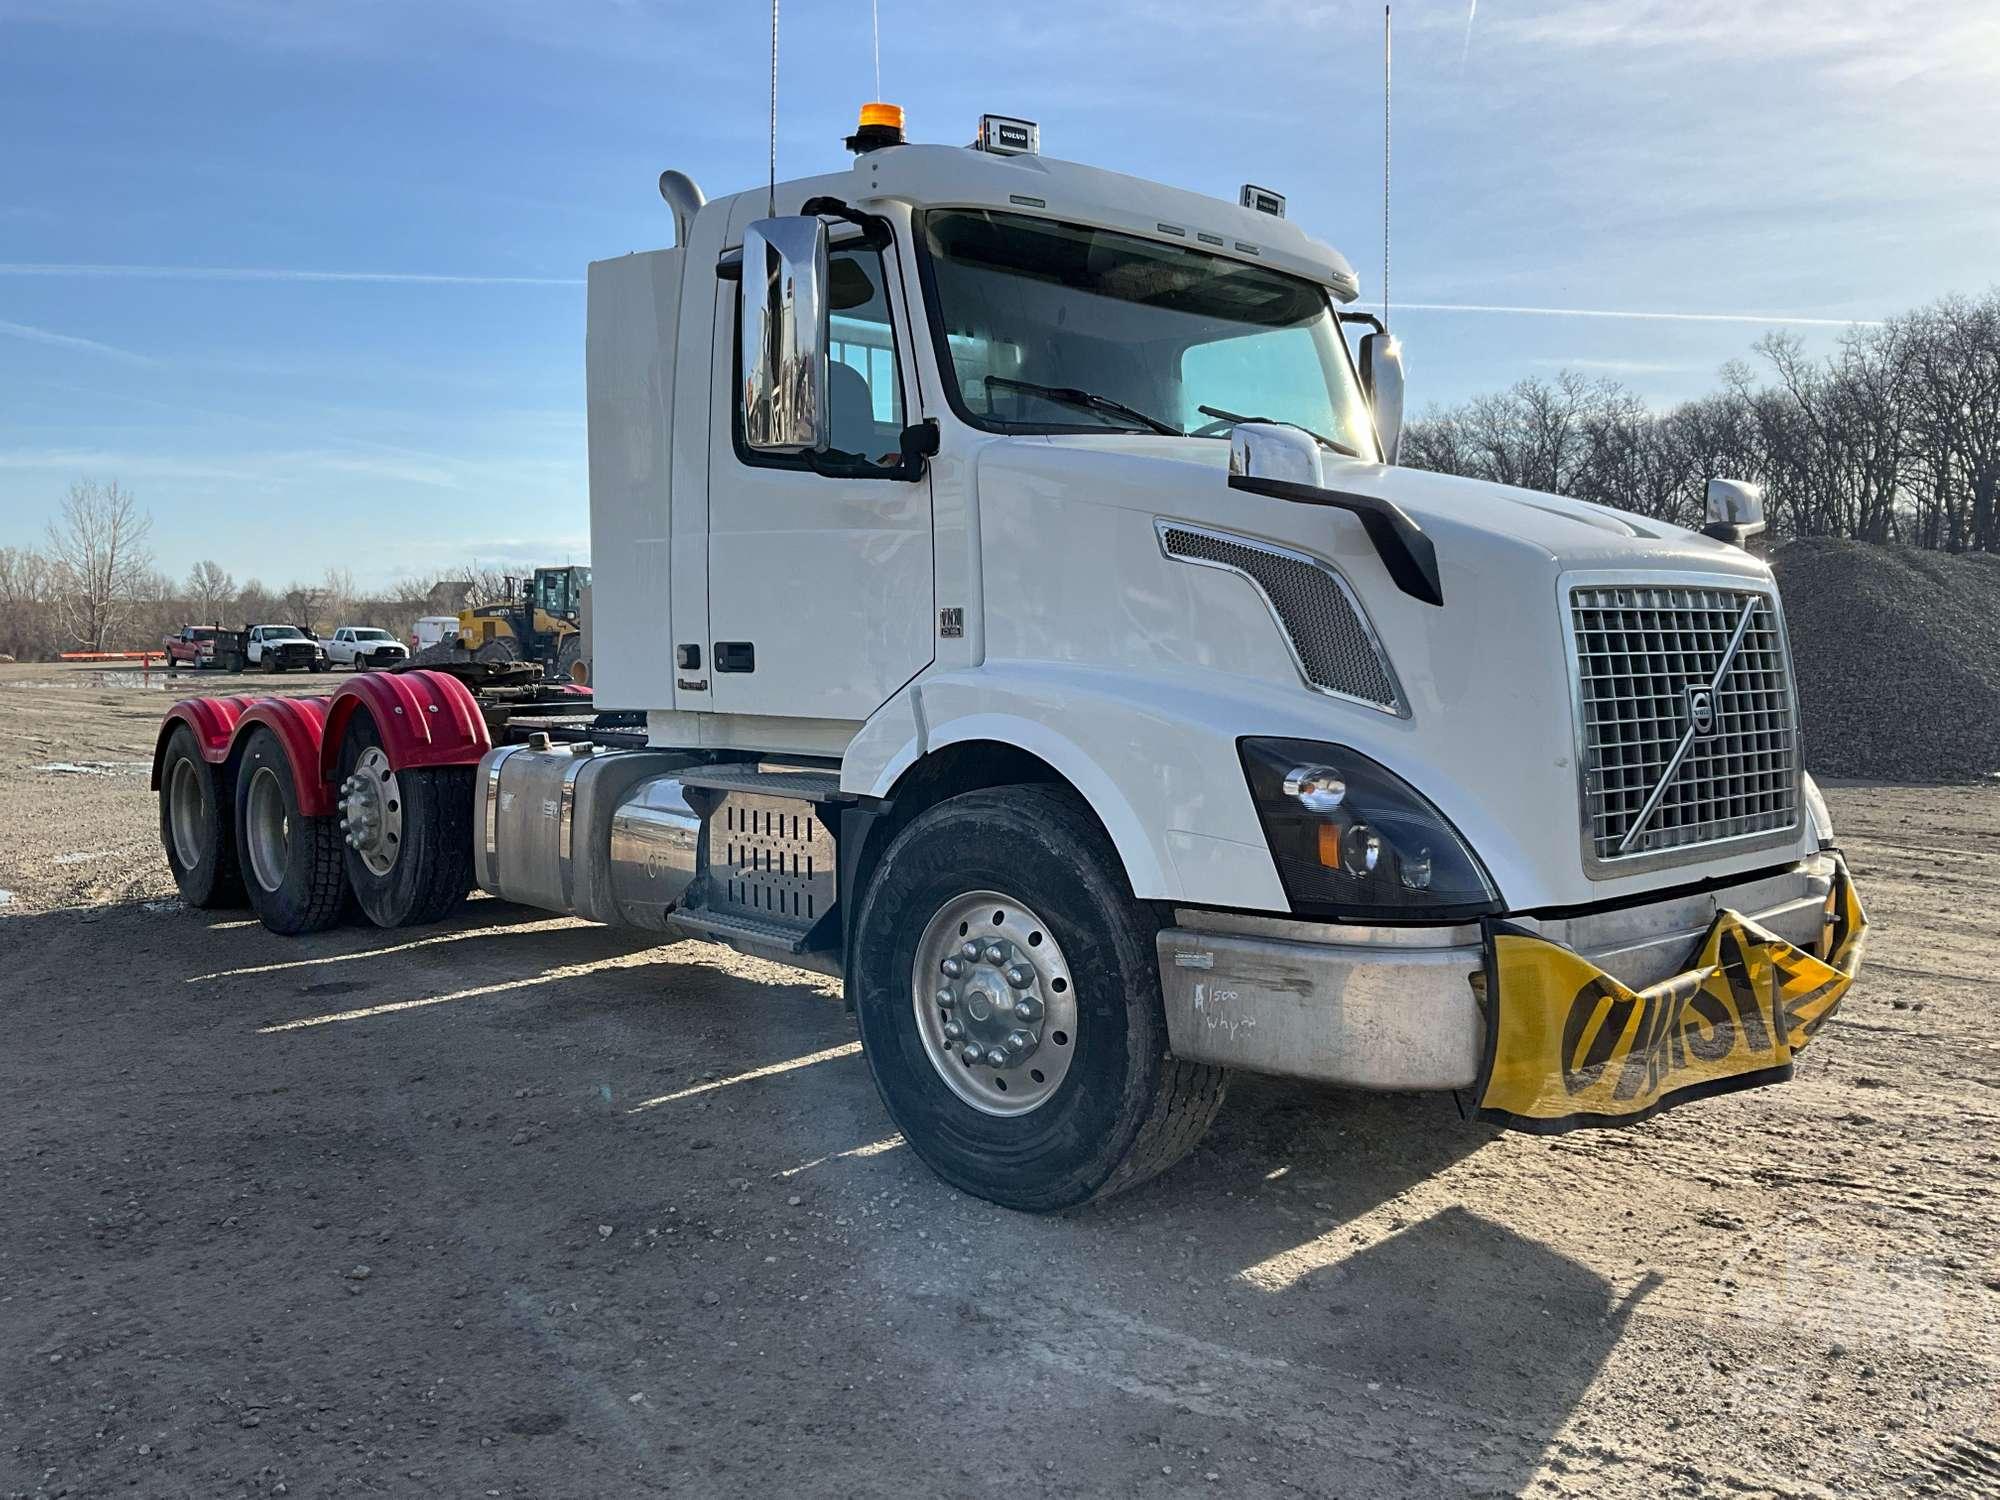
1334,646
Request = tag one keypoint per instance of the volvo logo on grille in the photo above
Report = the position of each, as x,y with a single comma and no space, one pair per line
1701,710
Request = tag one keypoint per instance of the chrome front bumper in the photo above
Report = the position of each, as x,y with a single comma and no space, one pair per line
1395,1007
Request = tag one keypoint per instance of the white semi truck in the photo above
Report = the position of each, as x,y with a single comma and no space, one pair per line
1008,564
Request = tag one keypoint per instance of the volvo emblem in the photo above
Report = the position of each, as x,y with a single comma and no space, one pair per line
1701,710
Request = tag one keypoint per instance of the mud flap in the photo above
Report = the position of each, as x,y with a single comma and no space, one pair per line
1568,1046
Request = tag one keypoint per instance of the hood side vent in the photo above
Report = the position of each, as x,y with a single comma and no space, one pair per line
1332,642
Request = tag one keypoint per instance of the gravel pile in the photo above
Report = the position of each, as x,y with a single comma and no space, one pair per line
1897,653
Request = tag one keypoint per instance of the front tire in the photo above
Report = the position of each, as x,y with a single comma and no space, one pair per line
1112,1107
195,827
290,863
408,833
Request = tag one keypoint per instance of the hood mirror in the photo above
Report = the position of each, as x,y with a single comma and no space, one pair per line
1382,379
1735,510
1266,450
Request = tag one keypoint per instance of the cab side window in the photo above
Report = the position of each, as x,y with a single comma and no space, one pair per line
864,394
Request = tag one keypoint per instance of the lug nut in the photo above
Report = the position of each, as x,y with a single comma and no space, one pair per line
947,998
995,953
953,1032
1027,1010
953,969
970,950
1017,1041
970,1054
1020,976
996,1058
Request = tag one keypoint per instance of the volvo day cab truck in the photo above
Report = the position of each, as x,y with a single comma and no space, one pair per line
1008,563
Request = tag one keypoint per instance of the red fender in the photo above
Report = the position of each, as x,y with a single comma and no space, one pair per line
213,721
299,724
424,719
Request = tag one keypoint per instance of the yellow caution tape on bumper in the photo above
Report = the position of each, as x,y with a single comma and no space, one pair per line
1567,1045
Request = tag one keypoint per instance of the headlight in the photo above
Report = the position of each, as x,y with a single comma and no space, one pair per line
1352,839
1816,810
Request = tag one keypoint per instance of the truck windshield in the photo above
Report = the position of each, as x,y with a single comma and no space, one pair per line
371,635
282,633
1059,328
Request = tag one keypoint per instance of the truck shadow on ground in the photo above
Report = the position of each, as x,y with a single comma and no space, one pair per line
1272,1301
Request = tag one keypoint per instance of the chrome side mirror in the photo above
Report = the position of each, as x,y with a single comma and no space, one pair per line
1382,379
1735,510
1266,450
784,335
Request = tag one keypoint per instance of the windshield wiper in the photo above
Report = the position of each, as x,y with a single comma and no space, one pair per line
1072,396
1229,416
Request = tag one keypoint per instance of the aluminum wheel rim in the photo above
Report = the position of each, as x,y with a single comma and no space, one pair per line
371,811
267,830
187,801
994,1002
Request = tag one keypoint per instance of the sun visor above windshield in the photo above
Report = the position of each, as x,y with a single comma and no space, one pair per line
941,176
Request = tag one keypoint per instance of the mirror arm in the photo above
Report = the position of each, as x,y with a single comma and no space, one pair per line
1408,554
1366,319
874,228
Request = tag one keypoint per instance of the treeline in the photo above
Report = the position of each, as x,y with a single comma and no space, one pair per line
1894,438
93,586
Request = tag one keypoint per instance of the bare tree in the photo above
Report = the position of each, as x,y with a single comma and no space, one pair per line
210,591
28,624
98,545
304,603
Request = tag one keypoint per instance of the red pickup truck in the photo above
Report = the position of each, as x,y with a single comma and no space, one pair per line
199,646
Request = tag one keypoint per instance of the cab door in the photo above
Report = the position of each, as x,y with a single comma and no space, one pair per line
820,601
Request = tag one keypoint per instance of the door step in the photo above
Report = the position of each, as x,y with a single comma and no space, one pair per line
806,786
736,926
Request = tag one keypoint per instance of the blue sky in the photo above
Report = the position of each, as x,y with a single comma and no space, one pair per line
206,207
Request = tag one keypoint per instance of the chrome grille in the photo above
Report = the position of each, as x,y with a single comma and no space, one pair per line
1655,783
1332,643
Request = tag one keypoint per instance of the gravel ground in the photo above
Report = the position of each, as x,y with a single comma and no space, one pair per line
518,1207
1897,653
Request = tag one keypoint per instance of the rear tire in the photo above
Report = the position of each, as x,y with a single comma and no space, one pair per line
196,827
1122,1109
502,648
291,863
423,872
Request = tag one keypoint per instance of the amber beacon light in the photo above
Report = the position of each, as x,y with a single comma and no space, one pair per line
881,125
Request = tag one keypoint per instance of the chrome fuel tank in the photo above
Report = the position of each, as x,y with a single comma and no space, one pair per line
546,820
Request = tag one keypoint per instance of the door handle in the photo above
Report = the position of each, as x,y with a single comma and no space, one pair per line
735,656
688,658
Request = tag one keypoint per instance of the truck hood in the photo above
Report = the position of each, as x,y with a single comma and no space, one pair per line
1077,571
1473,512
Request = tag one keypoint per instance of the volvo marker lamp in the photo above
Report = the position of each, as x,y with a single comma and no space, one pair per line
881,125
1262,200
1000,135
1353,840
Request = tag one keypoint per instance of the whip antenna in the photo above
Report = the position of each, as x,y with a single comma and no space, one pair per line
773,209
875,24
1385,165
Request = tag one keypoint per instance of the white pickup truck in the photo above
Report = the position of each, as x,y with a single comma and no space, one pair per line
1008,562
280,648
363,647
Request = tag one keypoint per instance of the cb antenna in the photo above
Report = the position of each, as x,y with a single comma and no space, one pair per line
1385,164
773,208
875,25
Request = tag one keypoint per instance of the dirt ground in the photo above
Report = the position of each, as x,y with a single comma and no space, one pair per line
518,1207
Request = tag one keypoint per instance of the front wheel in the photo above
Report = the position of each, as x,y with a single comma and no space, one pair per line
1007,986
408,833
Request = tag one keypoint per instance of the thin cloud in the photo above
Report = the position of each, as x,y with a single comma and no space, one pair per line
276,273
1639,316
49,336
